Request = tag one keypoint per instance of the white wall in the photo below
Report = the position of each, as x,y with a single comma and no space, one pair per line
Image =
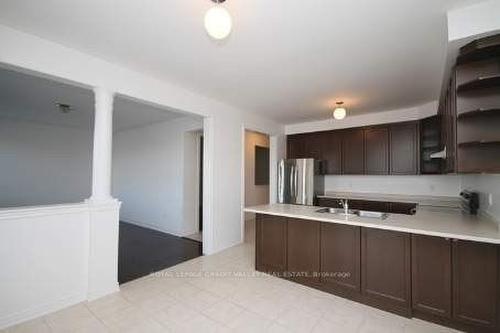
438,185
44,260
392,116
42,164
488,187
150,167
223,140
254,194
223,163
473,20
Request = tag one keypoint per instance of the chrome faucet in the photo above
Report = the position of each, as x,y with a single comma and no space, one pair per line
345,204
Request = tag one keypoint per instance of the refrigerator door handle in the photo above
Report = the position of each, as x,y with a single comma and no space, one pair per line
281,181
296,183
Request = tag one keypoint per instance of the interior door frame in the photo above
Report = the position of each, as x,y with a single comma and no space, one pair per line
274,151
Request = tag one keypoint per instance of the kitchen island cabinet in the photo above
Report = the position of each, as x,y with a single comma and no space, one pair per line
340,264
444,280
475,284
303,247
386,270
431,275
270,244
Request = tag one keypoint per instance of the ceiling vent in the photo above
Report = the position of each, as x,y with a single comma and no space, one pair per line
64,108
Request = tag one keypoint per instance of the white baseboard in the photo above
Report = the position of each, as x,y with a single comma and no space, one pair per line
101,293
36,311
152,227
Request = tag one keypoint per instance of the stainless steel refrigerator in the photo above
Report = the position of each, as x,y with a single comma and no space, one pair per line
299,181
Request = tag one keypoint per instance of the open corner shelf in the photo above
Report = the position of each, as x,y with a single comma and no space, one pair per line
479,49
481,143
480,83
479,112
479,54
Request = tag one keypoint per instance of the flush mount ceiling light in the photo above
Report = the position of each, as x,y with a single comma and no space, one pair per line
218,22
339,112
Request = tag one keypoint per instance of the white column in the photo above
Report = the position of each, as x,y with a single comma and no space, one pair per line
103,209
103,141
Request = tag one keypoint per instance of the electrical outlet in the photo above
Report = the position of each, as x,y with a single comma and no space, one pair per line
490,199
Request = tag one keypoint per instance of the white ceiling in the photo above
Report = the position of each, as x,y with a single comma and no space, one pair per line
288,59
29,98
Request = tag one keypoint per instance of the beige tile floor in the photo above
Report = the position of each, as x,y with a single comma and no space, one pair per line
221,293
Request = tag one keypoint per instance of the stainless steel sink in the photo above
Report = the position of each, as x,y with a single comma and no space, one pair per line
375,215
352,212
337,211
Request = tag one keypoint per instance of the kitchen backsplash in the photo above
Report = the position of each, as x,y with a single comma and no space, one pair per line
488,187
441,185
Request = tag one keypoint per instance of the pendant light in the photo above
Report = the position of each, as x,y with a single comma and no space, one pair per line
339,113
218,21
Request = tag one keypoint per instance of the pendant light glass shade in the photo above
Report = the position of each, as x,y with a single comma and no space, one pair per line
218,22
339,113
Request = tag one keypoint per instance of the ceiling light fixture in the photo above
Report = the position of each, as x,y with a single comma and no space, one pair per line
218,21
339,113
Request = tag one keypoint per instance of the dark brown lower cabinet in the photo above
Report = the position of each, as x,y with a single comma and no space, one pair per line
475,283
386,269
402,208
303,251
341,258
452,282
373,206
270,244
431,275
329,202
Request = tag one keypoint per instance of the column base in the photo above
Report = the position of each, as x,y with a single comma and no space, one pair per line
103,247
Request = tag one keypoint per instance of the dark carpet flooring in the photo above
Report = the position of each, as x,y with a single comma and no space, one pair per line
143,251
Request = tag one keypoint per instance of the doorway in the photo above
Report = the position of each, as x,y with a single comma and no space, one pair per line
155,176
197,234
256,177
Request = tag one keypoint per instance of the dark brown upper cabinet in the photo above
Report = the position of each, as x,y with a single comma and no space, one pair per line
386,269
270,244
475,283
296,146
353,157
314,145
431,275
303,251
377,150
430,143
332,152
372,150
404,148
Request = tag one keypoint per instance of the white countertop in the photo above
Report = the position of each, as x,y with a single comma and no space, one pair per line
422,200
431,221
